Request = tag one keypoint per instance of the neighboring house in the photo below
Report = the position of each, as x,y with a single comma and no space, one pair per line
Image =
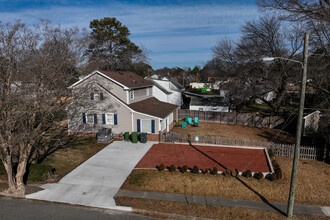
268,97
215,104
311,123
167,89
198,85
122,101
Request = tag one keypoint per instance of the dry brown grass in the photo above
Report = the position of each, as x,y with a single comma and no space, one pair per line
313,186
204,211
237,132
67,159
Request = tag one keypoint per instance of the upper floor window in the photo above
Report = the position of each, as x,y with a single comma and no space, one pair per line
131,94
96,95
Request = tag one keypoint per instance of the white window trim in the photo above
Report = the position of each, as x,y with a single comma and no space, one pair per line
131,94
86,116
96,96
106,118
141,124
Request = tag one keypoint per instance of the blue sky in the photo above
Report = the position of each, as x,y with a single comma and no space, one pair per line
178,33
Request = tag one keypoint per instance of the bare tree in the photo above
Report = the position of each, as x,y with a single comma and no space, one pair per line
265,37
38,65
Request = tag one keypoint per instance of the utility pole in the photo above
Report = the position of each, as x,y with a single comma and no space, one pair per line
299,128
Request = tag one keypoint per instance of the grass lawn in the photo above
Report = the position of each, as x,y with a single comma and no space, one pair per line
313,184
66,159
237,132
204,211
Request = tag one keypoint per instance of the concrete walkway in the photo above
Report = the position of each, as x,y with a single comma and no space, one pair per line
95,182
215,201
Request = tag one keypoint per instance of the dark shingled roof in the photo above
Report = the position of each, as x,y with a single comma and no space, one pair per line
128,79
154,107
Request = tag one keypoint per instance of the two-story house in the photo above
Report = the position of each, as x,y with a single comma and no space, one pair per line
167,89
122,101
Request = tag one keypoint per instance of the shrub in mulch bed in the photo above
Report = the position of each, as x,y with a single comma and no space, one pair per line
206,171
248,174
259,175
172,168
227,172
272,177
195,170
279,173
184,169
236,173
161,167
214,171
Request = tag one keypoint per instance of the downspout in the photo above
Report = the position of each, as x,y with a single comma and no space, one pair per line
132,122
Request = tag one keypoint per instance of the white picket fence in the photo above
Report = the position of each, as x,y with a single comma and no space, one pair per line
306,152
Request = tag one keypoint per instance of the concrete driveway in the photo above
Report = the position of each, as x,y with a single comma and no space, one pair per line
95,182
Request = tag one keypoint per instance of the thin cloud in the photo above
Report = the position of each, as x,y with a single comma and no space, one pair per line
185,33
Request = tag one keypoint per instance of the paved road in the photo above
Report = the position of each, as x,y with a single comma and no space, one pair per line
96,181
14,209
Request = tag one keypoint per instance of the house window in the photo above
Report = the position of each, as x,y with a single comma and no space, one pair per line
90,118
131,94
96,95
147,92
109,118
146,125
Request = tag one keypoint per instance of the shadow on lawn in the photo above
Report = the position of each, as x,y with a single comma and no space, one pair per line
241,181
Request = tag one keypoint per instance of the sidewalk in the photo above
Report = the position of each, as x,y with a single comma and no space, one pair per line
215,201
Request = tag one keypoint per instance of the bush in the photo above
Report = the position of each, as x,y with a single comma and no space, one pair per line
172,168
227,172
134,137
236,173
272,177
184,168
38,172
259,175
161,167
248,174
279,173
195,170
214,171
275,164
270,153
206,171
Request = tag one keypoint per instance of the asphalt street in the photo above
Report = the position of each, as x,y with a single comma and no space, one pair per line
15,209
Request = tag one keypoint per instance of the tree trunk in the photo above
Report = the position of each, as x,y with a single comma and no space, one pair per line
25,151
10,174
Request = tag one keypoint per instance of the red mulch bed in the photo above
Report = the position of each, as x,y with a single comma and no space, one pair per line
205,157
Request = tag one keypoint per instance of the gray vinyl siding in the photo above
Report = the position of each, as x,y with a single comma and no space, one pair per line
85,87
107,105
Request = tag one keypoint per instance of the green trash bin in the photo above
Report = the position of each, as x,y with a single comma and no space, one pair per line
126,136
143,137
134,137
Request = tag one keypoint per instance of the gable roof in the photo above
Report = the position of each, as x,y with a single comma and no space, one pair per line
154,107
128,79
159,86
125,79
151,106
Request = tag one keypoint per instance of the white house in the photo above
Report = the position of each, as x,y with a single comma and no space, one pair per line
167,89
